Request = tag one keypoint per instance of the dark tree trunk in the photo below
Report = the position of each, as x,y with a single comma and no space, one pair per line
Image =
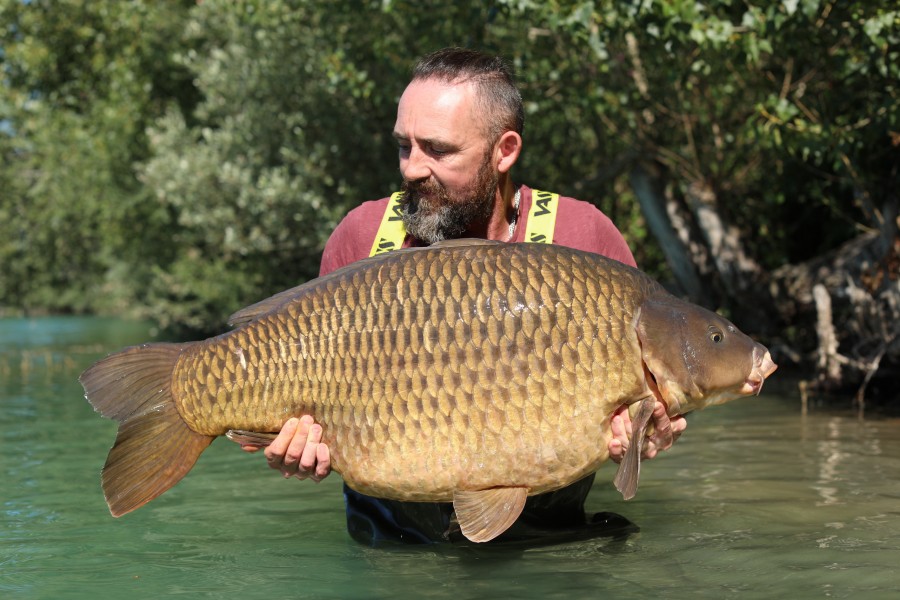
670,226
852,298
706,256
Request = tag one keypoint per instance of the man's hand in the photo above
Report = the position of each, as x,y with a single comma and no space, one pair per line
298,450
666,432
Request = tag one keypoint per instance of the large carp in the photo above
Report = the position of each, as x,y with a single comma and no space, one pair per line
470,371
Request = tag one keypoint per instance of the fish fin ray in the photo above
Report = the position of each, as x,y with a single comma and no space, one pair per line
154,447
485,514
272,303
628,475
253,312
253,438
464,242
151,454
132,381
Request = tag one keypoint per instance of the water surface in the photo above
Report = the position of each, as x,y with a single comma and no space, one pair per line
755,501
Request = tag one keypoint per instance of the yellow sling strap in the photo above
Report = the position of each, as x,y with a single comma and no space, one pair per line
541,222
392,231
542,217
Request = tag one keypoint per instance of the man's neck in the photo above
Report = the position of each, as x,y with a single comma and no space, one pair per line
497,225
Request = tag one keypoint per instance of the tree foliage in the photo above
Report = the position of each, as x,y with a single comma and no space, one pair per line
80,83
179,160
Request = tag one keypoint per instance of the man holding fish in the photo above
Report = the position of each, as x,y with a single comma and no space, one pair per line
466,388
459,133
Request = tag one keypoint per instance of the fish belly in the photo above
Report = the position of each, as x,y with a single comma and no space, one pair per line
437,370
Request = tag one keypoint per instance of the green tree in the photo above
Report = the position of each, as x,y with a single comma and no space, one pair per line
717,100
293,131
753,138
81,82
732,142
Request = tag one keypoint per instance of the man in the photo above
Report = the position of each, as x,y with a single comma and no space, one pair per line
459,132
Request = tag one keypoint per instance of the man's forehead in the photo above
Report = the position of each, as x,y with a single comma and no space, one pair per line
436,109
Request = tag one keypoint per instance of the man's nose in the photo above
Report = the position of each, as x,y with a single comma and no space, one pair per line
415,165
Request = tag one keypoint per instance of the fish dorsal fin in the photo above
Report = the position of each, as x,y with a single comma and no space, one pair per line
629,473
463,242
485,514
264,307
254,311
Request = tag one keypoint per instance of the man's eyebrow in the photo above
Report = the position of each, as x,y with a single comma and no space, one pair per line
424,141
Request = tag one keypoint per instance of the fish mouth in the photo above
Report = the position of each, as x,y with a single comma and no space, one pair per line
763,366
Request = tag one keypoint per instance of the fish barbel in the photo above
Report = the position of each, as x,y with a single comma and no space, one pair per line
469,371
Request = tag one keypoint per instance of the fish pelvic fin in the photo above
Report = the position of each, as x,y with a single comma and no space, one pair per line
253,438
629,473
154,447
485,514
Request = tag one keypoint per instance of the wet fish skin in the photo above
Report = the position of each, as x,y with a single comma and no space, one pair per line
484,361
436,373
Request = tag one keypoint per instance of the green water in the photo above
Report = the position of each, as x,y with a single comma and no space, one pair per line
755,501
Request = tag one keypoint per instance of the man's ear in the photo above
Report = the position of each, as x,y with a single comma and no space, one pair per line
507,150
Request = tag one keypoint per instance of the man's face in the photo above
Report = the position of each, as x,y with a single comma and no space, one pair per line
445,160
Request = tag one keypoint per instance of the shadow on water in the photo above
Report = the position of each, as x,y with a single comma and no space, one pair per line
755,501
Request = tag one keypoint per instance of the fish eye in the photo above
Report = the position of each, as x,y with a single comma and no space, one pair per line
716,336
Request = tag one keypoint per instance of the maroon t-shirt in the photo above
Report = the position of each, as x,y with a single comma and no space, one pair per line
579,225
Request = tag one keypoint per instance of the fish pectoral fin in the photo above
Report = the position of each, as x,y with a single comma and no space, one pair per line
251,438
626,480
485,514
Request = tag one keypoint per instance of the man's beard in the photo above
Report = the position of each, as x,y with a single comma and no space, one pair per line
431,214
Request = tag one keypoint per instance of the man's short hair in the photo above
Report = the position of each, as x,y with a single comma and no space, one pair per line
492,77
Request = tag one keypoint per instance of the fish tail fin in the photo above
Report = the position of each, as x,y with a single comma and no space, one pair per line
154,447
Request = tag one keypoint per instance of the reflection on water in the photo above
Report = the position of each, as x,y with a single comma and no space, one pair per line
755,501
